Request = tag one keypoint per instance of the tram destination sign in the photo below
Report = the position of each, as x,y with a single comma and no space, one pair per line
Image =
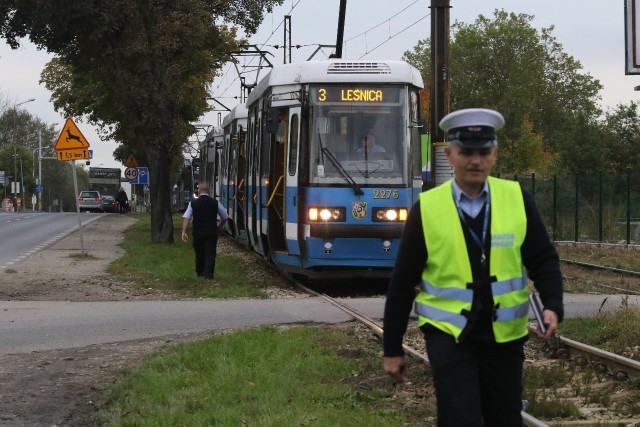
353,94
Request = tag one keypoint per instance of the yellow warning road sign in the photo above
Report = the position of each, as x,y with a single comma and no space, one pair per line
78,154
131,162
71,138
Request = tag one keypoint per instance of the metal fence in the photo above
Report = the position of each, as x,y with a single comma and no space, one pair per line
597,208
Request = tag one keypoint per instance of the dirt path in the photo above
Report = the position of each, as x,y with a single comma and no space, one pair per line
67,387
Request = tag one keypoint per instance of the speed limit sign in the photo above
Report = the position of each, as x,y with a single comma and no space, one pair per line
131,173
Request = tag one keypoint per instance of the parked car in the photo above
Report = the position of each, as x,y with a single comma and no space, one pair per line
90,201
109,204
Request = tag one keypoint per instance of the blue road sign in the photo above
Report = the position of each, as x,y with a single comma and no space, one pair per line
39,188
143,176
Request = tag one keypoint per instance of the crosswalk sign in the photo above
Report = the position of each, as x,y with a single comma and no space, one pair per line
71,138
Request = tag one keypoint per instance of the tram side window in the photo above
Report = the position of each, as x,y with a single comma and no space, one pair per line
293,145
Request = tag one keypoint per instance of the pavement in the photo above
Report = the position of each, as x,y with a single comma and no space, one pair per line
45,325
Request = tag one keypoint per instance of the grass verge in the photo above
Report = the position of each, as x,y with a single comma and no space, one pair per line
298,376
170,267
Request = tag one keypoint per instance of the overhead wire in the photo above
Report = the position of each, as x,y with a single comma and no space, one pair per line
294,4
395,35
381,23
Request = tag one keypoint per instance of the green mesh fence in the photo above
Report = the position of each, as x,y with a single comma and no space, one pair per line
602,208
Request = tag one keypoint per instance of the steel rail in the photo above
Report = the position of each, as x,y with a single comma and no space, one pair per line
527,419
601,267
620,367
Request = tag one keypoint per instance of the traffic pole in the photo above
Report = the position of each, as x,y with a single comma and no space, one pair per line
75,188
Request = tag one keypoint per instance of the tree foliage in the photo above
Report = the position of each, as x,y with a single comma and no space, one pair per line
621,142
506,64
140,69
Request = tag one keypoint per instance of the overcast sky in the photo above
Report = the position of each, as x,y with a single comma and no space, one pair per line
375,29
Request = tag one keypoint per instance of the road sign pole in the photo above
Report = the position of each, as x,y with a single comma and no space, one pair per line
75,188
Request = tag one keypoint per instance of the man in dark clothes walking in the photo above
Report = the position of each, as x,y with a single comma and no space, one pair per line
203,212
471,244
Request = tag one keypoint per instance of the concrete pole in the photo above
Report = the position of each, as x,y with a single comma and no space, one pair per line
40,168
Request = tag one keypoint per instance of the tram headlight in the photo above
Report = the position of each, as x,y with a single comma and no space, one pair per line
326,214
390,214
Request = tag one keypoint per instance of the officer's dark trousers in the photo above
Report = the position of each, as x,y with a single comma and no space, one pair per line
205,248
477,384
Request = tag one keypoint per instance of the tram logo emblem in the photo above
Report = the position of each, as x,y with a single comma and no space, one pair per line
359,210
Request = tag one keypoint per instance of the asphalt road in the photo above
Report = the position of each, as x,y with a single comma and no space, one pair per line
24,233
44,325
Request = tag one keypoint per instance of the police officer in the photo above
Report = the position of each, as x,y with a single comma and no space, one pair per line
204,212
470,244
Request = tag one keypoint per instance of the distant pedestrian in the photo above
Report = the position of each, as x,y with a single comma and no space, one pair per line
123,200
204,212
471,244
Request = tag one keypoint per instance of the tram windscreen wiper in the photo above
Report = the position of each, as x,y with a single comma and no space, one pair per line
343,173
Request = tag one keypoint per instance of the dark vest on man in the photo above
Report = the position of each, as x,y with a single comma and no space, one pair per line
205,216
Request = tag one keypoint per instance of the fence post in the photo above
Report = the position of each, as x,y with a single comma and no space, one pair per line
554,211
600,206
575,225
533,185
628,206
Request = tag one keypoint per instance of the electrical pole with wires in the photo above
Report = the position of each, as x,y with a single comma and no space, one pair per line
439,85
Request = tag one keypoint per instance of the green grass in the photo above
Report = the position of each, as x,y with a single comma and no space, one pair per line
170,267
257,377
618,332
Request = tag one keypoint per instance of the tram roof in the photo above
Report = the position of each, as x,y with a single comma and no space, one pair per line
238,112
338,71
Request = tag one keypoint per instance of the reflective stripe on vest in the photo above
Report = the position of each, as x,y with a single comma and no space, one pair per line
444,296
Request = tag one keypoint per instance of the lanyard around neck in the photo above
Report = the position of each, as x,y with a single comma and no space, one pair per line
485,226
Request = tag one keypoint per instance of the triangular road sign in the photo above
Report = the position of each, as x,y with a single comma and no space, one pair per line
71,138
131,162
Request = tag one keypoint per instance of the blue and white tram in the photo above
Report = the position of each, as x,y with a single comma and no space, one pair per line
233,171
315,203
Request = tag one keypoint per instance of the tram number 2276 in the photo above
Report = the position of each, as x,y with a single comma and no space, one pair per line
385,194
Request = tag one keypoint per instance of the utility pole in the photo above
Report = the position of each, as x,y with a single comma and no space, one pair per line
16,189
287,39
439,84
341,17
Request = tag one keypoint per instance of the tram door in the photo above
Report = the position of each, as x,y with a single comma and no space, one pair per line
254,178
291,187
277,184
241,193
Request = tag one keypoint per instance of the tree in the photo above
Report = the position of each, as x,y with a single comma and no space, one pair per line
507,65
525,154
622,141
140,69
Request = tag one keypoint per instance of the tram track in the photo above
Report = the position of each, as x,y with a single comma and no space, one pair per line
601,267
618,367
629,277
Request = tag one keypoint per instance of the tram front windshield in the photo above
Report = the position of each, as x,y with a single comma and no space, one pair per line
359,131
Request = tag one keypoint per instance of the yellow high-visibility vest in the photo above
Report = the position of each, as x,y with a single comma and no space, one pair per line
444,295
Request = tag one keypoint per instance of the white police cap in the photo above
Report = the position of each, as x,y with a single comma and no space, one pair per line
473,127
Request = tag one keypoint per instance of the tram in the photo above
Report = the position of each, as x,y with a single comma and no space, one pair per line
299,185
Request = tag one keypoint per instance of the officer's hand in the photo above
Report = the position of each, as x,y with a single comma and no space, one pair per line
550,319
396,368
185,237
